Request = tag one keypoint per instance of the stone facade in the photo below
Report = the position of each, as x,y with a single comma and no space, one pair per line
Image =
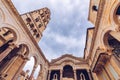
20,34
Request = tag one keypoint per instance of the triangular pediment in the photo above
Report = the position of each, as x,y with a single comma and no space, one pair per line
67,58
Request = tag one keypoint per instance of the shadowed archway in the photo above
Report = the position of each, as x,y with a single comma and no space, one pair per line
68,72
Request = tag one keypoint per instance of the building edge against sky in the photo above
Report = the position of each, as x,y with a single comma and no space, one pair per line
19,36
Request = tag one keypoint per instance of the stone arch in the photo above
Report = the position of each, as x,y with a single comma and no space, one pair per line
114,44
6,35
82,74
105,38
116,13
17,58
15,29
2,16
55,77
112,12
67,62
68,71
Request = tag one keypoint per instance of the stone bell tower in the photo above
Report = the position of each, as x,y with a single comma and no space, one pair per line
36,21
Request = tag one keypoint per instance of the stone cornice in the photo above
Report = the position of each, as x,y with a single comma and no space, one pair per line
97,24
79,63
87,36
67,55
101,61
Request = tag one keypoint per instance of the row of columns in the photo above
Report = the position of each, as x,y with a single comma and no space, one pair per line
75,76
14,66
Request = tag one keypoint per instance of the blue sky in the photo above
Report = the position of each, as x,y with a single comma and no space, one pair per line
66,31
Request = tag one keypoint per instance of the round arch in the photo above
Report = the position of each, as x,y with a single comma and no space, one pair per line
116,13
24,49
68,71
8,33
105,39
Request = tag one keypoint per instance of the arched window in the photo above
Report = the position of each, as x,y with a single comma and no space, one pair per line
55,77
95,7
82,77
68,71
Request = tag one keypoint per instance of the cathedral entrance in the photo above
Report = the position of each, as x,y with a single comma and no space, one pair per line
68,73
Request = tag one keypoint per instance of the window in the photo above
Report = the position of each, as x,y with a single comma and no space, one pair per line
37,35
55,76
82,77
37,19
28,20
42,15
31,25
95,8
39,25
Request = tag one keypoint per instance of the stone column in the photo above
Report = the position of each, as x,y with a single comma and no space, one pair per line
89,74
75,77
49,73
61,74
7,51
39,76
21,66
33,71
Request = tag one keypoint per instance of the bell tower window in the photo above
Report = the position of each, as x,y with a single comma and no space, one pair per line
95,8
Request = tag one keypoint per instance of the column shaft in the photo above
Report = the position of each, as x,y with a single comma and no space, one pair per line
7,51
75,77
61,74
33,71
49,75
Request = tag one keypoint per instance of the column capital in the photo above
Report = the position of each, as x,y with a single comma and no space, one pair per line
75,77
49,71
61,71
2,76
23,56
12,45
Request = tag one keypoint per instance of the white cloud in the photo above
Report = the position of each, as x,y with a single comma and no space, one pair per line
62,21
29,65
